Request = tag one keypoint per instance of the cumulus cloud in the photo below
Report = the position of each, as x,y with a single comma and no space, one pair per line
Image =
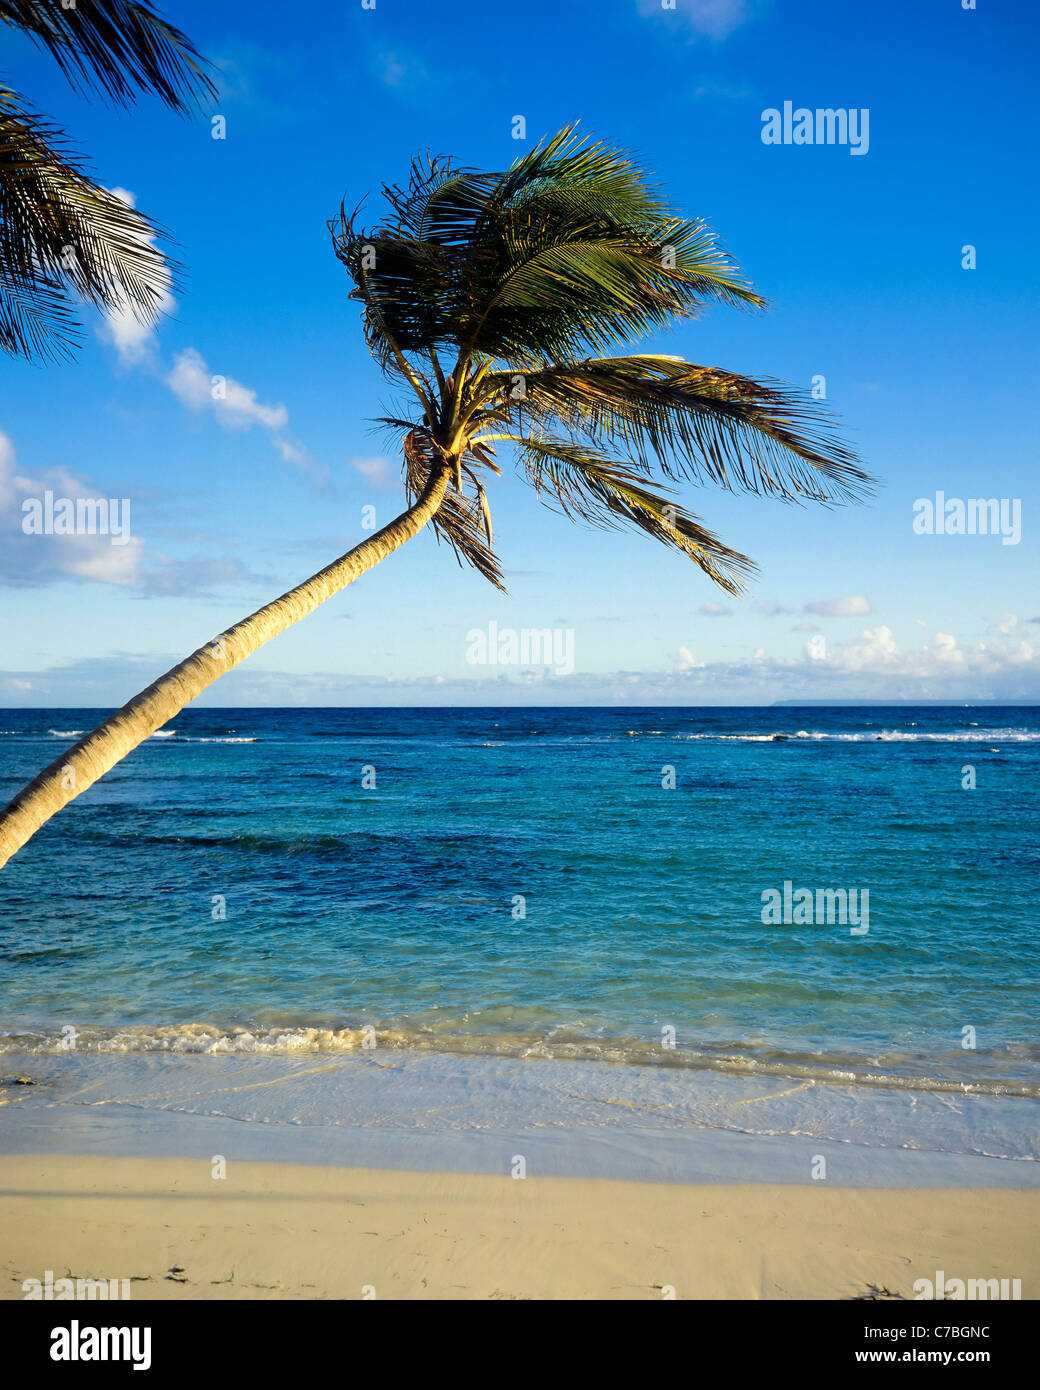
839,607
29,559
715,610
871,667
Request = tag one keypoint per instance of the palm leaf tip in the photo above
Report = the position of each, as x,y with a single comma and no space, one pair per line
118,48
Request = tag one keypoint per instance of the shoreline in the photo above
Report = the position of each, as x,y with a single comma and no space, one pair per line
275,1231
438,1112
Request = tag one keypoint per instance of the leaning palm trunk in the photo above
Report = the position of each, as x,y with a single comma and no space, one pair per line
75,770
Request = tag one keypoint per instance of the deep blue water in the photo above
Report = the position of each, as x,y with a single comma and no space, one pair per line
398,906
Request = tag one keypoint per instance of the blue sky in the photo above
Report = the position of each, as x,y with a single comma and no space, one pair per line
930,366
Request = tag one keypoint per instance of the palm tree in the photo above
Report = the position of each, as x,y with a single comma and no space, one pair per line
512,279
64,238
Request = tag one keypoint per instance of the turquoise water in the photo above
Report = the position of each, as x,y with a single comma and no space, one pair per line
519,883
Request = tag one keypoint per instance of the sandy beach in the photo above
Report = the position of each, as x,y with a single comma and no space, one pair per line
291,1231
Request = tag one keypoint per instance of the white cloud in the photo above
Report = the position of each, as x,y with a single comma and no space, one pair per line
873,650
713,19
375,471
715,610
238,407
687,660
291,453
871,666
874,668
197,575
234,405
839,607
876,653
35,559
38,559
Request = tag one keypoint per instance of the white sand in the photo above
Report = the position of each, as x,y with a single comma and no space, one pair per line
284,1231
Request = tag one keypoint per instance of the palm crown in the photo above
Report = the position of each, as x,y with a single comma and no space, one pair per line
515,279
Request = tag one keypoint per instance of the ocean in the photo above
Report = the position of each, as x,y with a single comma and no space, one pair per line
819,921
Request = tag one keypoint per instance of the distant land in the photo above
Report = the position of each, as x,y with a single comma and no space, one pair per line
911,704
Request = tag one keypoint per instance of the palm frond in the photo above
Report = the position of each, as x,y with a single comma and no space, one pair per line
117,48
36,319
602,491
373,265
64,238
440,202
699,423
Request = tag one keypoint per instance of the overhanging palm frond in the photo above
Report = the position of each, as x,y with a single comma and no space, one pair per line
64,238
116,47
698,422
601,491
